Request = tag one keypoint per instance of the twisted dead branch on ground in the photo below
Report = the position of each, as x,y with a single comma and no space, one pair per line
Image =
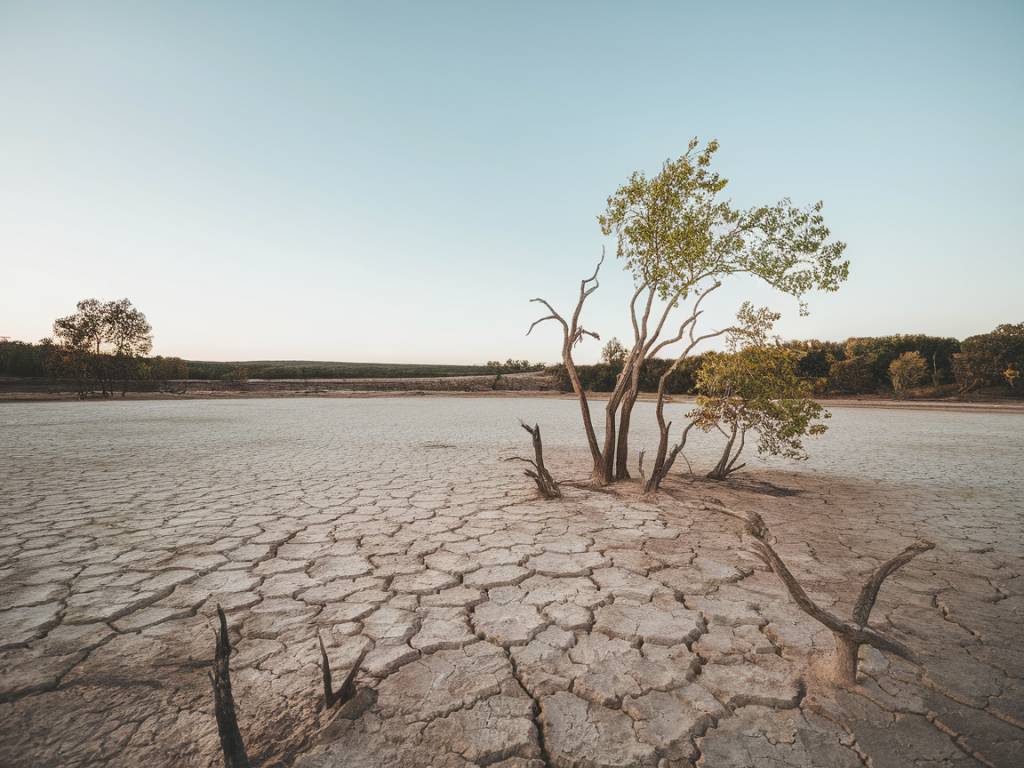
849,634
348,687
231,743
545,483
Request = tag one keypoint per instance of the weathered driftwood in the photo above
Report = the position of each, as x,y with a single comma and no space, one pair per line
545,483
348,687
849,635
231,743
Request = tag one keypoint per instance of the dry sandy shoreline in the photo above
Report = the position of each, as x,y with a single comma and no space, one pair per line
999,406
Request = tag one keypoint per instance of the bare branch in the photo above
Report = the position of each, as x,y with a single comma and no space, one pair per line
348,687
231,743
849,635
535,323
540,475
868,595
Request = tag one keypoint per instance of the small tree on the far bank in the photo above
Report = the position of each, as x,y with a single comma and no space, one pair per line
907,371
756,390
101,341
613,352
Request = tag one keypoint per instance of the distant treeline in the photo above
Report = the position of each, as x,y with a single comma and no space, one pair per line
47,360
302,369
44,360
991,361
860,366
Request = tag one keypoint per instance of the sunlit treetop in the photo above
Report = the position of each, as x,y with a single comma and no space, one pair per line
677,230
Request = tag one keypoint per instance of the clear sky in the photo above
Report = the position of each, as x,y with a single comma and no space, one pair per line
386,181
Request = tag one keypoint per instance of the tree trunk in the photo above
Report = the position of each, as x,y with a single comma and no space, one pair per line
622,446
847,652
611,409
720,470
598,473
608,465
659,471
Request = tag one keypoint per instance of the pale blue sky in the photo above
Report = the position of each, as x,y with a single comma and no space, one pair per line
393,181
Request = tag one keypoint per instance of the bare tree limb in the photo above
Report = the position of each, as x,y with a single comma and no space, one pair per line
545,482
849,635
231,743
572,334
868,595
348,687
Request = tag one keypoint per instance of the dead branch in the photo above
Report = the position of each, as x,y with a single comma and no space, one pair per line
572,334
849,635
545,482
348,688
231,743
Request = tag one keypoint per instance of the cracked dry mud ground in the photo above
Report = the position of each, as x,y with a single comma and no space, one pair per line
601,630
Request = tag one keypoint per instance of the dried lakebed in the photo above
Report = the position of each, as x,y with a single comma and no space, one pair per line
601,630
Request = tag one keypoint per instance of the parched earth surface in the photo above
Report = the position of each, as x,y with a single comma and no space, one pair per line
499,629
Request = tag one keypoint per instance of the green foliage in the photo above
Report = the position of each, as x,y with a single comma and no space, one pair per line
310,369
908,370
856,376
676,230
984,359
937,353
241,373
757,389
18,358
102,341
511,366
601,377
816,357
613,353
165,369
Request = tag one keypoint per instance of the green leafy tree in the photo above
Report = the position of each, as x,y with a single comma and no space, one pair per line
756,390
883,350
680,239
908,370
80,336
983,358
613,353
854,375
130,337
102,339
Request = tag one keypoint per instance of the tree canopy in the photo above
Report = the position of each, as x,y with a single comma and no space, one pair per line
677,232
756,389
